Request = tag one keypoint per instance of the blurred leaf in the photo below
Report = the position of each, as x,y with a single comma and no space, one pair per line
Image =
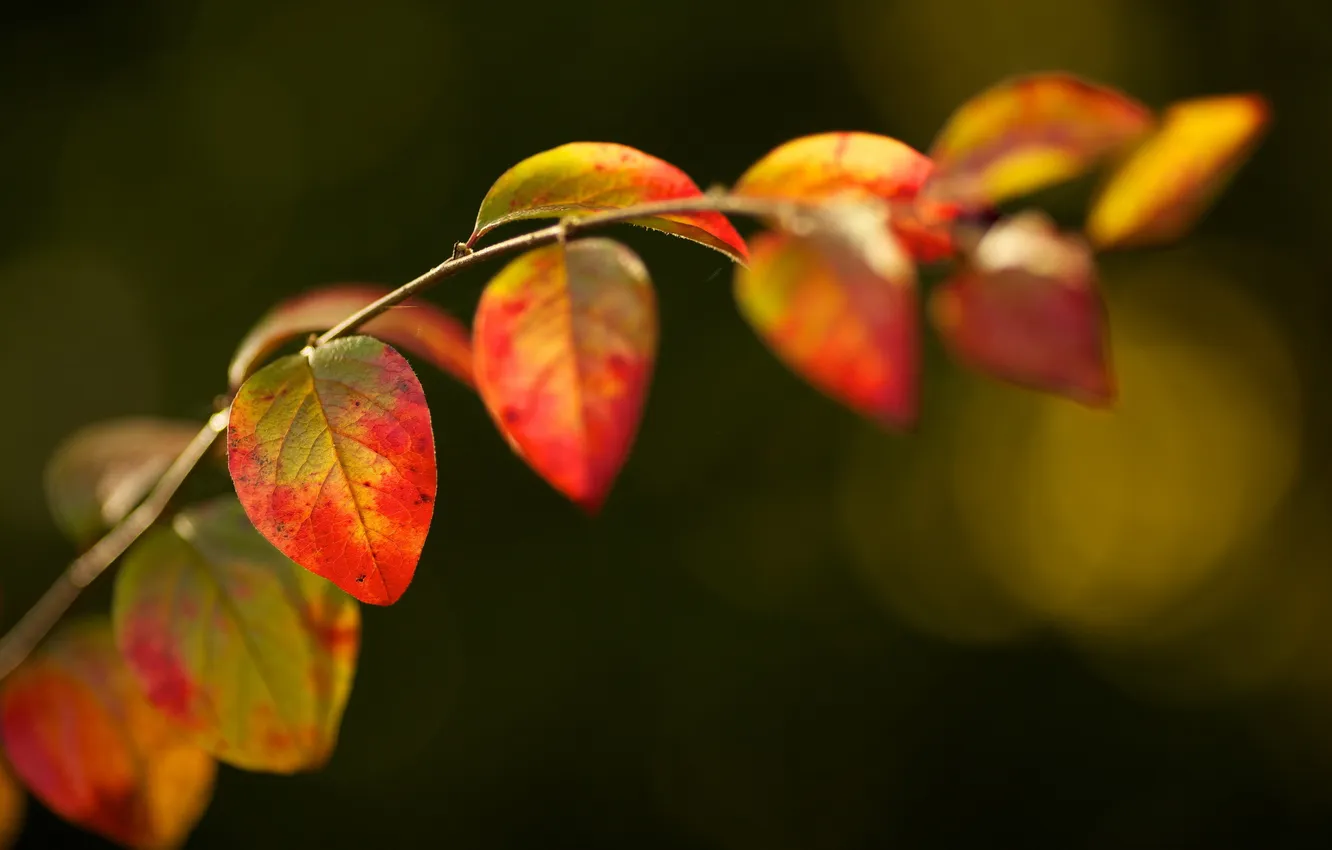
13,806
1027,310
565,340
1165,186
1028,133
333,458
857,165
100,473
582,178
838,306
226,636
84,740
416,326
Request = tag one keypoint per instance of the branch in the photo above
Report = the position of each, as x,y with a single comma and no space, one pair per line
42,617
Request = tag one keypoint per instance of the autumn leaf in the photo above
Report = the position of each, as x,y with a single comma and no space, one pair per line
1027,310
838,306
13,806
1028,133
249,653
87,744
333,459
1165,186
582,178
418,327
856,165
100,473
565,340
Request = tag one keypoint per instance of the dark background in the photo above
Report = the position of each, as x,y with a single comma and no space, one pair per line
1024,625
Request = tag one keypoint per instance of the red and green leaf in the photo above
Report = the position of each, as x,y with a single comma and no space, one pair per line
565,340
249,653
1159,193
1028,133
99,474
829,165
1027,310
87,744
839,308
333,458
582,178
418,327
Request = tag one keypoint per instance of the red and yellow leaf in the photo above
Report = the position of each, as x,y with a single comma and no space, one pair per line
249,653
13,806
830,165
582,178
565,341
87,744
1027,310
100,473
1165,186
841,315
1028,133
418,327
333,459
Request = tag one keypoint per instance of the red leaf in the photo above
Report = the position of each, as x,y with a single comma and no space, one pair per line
87,744
333,459
100,473
565,340
418,327
582,178
856,165
1027,311
839,307
13,806
249,653
1028,133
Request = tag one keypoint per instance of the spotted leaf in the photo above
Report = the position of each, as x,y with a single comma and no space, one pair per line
87,744
1168,182
251,654
100,473
838,305
1027,310
333,459
581,178
418,327
565,341
1028,133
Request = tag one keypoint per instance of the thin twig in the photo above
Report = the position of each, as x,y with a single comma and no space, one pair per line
42,616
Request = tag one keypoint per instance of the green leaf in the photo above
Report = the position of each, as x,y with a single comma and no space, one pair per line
100,473
250,653
582,178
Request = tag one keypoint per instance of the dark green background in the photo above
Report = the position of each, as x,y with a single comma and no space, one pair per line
706,664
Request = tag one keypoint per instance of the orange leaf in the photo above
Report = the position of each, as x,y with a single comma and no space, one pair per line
829,165
582,178
101,472
333,458
13,806
565,340
90,747
416,326
1026,310
250,654
1165,186
1028,133
839,307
